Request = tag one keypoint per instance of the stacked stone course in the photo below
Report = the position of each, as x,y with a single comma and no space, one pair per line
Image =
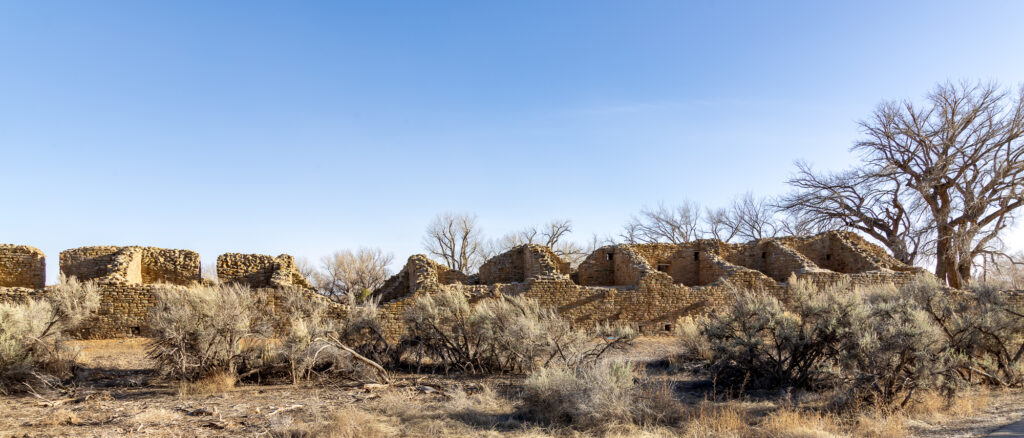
647,286
260,271
22,267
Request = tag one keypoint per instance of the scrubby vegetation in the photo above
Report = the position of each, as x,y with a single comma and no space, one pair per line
221,333
32,334
503,334
878,347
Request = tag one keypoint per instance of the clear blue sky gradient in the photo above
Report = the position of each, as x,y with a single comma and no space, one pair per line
304,127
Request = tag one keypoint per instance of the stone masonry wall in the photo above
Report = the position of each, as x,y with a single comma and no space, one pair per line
260,271
22,266
649,286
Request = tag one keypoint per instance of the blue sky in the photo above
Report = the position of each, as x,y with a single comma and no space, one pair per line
304,127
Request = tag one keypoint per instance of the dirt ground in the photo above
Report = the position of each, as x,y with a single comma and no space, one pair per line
119,395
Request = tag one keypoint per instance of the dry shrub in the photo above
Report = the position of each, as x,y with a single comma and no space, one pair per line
501,334
602,395
215,383
878,346
201,331
363,331
981,326
696,346
312,343
788,422
718,420
346,422
880,424
898,353
760,341
32,347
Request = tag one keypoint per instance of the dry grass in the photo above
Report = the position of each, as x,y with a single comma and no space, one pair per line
487,407
346,422
216,383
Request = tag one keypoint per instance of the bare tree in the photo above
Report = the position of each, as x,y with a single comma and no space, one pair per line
455,239
309,271
718,225
345,272
680,224
962,154
752,218
209,272
1002,269
877,204
552,235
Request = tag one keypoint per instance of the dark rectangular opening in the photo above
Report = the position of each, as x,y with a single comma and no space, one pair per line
696,256
764,255
828,256
610,256
663,267
668,327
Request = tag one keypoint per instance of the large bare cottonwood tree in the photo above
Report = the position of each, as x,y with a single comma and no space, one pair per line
875,203
962,155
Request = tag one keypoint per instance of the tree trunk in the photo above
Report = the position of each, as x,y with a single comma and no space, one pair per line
947,267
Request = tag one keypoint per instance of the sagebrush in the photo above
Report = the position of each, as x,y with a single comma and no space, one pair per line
32,333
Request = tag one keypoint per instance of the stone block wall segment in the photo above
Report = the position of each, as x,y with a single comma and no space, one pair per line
22,266
89,262
260,271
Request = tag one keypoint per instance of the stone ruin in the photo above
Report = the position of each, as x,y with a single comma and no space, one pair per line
647,286
129,276
22,267
260,271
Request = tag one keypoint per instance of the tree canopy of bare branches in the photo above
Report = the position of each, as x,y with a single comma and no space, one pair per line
962,155
875,203
553,234
357,273
747,217
456,240
679,224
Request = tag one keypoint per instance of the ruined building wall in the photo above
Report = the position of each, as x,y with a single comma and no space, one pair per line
260,271
22,266
521,263
649,286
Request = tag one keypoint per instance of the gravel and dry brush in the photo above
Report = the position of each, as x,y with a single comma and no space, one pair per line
833,360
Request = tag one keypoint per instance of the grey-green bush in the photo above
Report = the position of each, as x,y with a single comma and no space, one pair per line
513,334
202,330
760,341
32,333
878,346
981,326
596,395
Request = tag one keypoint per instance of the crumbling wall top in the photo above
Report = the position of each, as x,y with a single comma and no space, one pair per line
22,266
260,271
131,264
522,263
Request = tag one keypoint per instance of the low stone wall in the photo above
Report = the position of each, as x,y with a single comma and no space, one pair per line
22,266
260,271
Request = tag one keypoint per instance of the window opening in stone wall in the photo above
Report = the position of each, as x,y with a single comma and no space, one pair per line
696,256
663,267
764,255
668,327
610,256
828,256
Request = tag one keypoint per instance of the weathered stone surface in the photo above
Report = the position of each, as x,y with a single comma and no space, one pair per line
22,266
649,286
131,264
260,271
